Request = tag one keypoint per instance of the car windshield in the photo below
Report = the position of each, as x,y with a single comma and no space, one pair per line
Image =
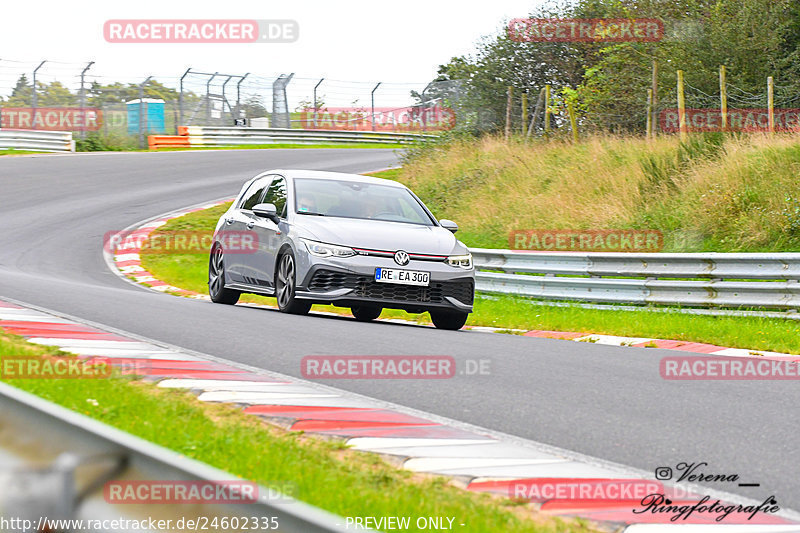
353,199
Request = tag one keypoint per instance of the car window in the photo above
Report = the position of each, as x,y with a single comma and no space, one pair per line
348,199
276,194
254,193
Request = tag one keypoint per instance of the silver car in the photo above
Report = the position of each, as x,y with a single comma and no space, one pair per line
344,239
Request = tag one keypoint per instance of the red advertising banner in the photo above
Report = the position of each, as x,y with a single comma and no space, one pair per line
52,118
751,120
386,119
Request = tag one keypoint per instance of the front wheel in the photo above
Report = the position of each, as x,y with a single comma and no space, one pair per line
449,319
285,283
365,313
216,280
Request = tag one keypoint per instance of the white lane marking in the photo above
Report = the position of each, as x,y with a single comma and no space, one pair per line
613,340
378,443
566,469
711,528
234,386
435,464
260,397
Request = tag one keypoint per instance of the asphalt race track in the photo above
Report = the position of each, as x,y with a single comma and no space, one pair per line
606,402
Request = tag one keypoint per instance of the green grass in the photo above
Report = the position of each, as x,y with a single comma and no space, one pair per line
12,151
716,192
320,472
190,271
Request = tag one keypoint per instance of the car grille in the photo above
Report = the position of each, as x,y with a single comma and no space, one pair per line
365,287
328,280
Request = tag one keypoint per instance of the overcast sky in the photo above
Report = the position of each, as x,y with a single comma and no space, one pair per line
354,40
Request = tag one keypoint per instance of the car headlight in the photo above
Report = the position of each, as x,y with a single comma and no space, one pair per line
321,249
462,261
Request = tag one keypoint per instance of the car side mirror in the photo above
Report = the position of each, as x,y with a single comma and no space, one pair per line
448,225
266,211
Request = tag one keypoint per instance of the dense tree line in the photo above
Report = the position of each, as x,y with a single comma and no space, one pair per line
608,81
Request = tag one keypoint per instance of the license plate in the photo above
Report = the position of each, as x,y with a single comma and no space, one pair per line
402,277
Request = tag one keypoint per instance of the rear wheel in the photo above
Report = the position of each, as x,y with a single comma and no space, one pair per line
366,313
285,283
449,319
216,280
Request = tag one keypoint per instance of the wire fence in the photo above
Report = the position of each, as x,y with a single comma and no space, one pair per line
75,97
72,96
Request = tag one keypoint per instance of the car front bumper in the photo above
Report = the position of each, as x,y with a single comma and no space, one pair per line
351,281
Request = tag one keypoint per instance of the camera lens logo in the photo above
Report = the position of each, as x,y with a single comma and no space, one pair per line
401,258
663,473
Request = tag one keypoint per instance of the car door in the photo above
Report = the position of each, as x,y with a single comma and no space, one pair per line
236,225
261,265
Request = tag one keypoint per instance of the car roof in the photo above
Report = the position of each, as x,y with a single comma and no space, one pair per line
342,176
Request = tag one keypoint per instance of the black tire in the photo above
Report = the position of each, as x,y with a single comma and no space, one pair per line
366,313
285,283
216,280
452,320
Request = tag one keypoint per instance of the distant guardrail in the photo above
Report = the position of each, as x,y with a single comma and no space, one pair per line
37,141
234,136
762,280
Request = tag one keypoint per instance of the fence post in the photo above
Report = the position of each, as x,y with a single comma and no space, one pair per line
681,108
34,96
771,104
654,101
723,98
508,111
573,122
316,107
180,101
142,111
524,110
546,109
372,100
649,126
83,100
536,110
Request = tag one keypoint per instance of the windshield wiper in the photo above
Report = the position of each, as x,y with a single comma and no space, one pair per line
311,213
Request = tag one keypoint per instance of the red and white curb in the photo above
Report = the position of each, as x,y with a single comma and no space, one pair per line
645,342
480,459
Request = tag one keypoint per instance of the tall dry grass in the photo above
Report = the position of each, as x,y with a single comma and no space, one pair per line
715,192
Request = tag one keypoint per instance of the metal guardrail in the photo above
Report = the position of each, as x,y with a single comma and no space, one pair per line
764,280
233,136
38,141
31,427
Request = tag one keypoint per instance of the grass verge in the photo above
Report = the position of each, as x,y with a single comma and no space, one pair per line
190,271
321,472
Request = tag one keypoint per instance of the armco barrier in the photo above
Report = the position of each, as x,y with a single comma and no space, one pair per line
234,136
761,280
37,141
36,426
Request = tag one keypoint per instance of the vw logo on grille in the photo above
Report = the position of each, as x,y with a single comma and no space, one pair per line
401,257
